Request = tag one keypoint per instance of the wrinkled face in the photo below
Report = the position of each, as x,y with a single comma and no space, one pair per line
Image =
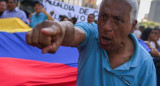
38,8
90,18
2,6
114,24
11,5
154,35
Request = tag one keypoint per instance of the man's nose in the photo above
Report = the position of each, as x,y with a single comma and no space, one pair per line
108,26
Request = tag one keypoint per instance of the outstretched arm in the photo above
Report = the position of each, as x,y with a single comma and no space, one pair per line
48,16
49,35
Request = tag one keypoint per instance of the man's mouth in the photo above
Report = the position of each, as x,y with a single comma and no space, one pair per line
105,40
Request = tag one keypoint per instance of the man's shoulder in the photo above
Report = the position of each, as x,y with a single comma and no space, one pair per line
41,14
88,26
20,11
5,12
140,55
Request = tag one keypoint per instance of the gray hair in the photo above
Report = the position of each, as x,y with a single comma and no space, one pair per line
134,8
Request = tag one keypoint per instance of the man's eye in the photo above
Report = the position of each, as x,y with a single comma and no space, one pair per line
117,19
103,16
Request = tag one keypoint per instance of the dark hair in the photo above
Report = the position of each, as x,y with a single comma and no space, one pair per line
2,1
143,27
38,2
157,28
15,1
74,20
145,34
92,15
62,17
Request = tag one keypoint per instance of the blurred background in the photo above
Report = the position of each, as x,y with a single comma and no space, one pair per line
149,10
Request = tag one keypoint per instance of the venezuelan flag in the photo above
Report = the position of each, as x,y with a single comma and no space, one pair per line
23,65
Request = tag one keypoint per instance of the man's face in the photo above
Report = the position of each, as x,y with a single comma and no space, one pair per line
90,18
114,24
2,6
11,5
38,8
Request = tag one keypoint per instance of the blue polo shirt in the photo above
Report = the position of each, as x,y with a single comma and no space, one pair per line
94,68
15,13
37,19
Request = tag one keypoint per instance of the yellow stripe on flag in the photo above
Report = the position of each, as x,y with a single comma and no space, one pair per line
13,25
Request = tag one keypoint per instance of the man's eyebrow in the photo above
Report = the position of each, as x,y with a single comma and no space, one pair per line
118,16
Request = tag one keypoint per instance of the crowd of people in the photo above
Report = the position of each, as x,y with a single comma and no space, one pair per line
9,10
149,38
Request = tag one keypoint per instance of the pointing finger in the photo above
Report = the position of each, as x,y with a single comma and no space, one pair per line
50,31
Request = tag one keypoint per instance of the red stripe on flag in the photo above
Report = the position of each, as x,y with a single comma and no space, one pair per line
21,72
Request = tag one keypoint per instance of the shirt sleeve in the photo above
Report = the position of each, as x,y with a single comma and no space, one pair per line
91,31
149,77
24,18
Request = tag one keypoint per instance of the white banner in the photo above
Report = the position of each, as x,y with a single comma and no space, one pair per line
60,8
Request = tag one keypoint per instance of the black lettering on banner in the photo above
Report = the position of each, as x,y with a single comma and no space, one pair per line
82,18
56,17
83,11
48,1
61,5
95,13
65,7
71,8
86,11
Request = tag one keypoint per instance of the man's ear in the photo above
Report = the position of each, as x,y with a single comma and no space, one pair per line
133,26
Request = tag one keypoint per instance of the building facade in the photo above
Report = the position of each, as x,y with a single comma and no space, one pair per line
154,14
84,3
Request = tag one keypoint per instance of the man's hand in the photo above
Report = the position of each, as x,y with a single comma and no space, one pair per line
47,36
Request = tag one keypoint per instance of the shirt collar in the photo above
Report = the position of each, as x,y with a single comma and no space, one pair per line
39,14
136,58
16,9
133,62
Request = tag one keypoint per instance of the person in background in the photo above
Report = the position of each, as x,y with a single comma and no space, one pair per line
13,11
73,20
91,18
29,15
137,33
40,14
141,28
52,13
2,7
148,36
151,36
109,54
63,18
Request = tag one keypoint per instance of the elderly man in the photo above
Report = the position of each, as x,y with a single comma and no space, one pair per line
13,11
2,7
90,18
109,53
